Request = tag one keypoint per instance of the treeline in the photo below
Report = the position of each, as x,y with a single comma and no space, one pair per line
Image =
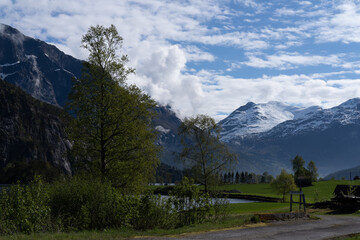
168,174
245,177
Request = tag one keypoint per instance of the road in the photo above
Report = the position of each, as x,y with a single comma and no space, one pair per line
325,228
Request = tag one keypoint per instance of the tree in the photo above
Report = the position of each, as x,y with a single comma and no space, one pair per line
264,177
298,166
237,178
283,183
111,130
202,148
312,171
242,177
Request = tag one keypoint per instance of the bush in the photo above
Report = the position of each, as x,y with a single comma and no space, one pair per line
190,204
255,219
82,204
25,208
154,212
79,204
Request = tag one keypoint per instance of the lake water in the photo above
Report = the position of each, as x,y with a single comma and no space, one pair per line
230,200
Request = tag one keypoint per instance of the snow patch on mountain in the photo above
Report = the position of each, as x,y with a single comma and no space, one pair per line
3,75
162,129
257,118
9,64
345,114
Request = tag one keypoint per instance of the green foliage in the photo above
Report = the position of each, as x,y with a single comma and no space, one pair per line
25,208
193,206
154,212
204,152
111,132
83,204
312,170
24,171
298,166
304,177
255,219
283,183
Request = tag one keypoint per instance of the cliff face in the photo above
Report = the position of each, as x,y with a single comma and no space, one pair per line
38,68
31,131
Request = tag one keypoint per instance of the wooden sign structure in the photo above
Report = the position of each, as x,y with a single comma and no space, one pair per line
301,199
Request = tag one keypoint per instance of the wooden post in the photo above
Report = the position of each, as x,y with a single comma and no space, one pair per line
301,200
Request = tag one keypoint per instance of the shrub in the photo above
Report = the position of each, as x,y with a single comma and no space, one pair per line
190,205
25,208
83,204
79,203
154,212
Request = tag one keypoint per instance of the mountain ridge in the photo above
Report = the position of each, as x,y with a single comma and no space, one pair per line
38,68
329,137
257,118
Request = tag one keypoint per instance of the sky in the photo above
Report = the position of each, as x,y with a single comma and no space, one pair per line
213,56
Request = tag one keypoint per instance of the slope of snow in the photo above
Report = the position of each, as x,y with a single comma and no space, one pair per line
344,114
256,118
9,64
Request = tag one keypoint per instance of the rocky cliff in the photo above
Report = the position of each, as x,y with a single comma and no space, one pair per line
31,132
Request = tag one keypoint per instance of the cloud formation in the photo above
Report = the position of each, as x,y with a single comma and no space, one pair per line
208,56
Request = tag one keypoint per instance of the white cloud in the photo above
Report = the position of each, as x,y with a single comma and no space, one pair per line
284,61
165,38
343,25
305,3
288,12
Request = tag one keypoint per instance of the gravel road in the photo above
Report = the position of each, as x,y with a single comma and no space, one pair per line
325,228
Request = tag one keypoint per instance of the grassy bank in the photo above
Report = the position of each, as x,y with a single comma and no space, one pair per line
229,222
320,191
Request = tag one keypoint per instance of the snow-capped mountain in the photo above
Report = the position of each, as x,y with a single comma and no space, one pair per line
329,137
38,68
257,118
346,113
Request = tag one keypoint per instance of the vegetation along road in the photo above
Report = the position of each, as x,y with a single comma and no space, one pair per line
326,227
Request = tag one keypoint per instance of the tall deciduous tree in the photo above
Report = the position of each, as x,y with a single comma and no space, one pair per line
312,171
111,130
203,150
298,166
283,183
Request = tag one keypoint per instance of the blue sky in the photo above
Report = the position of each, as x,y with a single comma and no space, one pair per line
211,57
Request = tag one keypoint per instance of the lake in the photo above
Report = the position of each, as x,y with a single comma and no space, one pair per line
231,200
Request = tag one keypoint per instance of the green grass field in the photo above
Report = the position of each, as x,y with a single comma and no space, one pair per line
320,191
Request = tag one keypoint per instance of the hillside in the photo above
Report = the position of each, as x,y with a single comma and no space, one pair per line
32,136
345,174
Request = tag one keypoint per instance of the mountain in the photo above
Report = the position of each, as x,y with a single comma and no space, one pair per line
38,68
167,125
347,174
31,134
46,74
256,118
329,137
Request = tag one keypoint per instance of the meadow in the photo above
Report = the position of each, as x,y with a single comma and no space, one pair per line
240,214
320,191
